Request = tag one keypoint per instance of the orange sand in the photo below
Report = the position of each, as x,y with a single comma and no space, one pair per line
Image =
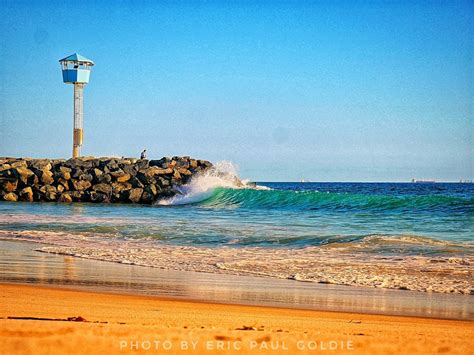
118,324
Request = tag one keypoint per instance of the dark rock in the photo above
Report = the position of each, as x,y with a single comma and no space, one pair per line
99,197
135,182
103,188
155,163
162,182
152,190
7,173
182,164
167,192
96,173
26,194
184,171
147,197
87,177
129,169
76,173
112,165
205,163
142,164
105,179
73,163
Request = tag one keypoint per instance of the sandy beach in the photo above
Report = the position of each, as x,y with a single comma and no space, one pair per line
34,320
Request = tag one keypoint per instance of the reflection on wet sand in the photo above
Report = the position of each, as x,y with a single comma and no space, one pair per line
19,263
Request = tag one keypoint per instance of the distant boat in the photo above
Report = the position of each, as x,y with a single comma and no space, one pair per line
422,181
304,180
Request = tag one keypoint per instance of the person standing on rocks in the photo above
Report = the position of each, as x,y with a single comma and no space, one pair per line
143,155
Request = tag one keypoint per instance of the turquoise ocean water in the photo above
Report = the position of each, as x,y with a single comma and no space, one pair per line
382,218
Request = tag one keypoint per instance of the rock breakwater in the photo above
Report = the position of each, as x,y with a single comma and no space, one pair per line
88,179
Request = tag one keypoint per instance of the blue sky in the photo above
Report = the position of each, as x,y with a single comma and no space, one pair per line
328,91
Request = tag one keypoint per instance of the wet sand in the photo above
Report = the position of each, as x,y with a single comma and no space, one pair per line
33,319
20,263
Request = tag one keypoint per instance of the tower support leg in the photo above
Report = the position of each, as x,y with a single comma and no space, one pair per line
78,133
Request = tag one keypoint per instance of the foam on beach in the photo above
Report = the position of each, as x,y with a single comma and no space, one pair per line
332,264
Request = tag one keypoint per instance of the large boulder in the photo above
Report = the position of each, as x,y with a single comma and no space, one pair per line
65,197
11,196
105,179
152,190
99,197
19,164
24,174
46,176
134,195
5,166
49,192
154,170
63,183
103,188
184,171
81,185
118,187
147,197
66,175
40,164
9,184
26,194
96,173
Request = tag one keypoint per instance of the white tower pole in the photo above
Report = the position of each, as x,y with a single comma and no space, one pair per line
78,133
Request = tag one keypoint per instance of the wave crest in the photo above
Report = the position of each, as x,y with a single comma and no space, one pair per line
223,174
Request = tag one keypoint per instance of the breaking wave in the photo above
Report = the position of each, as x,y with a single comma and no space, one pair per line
223,175
221,187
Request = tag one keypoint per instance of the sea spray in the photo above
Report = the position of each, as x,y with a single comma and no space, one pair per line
223,174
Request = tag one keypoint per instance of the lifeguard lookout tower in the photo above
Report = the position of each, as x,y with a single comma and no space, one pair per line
76,70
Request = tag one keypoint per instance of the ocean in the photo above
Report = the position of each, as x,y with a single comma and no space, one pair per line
412,236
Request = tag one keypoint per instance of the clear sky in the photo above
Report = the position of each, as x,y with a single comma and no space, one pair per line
326,91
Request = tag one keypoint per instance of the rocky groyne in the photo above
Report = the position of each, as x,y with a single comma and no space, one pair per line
87,179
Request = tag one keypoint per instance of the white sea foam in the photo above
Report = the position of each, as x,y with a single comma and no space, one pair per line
223,174
323,264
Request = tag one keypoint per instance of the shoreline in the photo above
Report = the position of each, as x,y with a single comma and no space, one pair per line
36,317
22,264
330,264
